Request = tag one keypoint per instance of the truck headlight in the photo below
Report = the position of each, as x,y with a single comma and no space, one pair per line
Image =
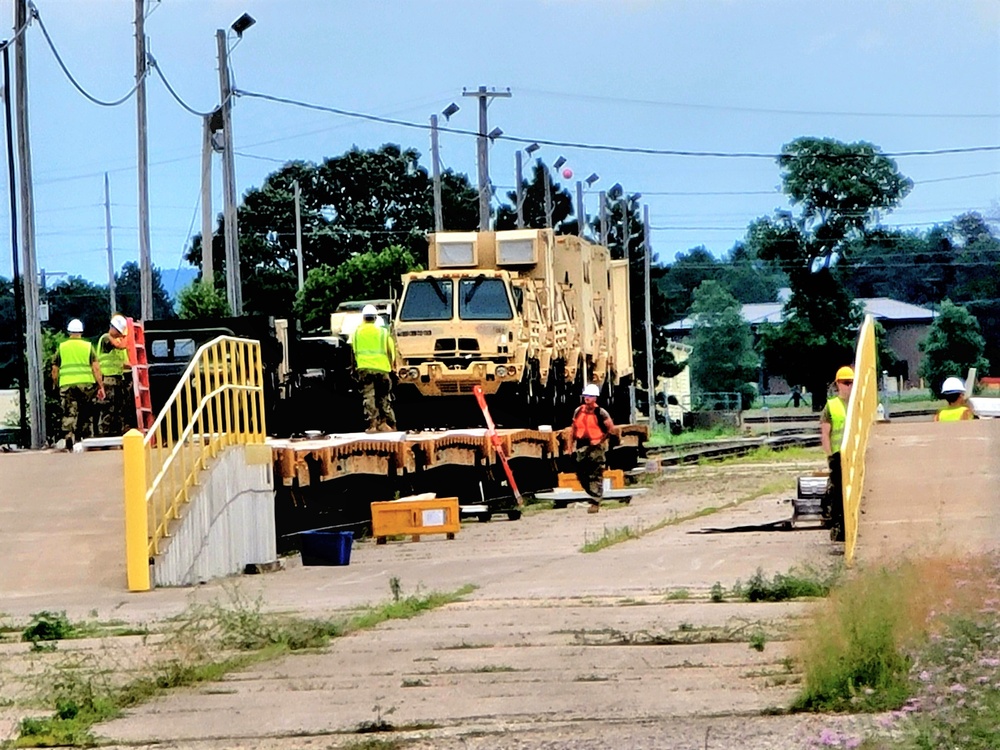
413,372
501,371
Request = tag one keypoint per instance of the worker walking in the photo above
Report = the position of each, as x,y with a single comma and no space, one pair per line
77,374
591,427
832,420
958,409
374,355
112,355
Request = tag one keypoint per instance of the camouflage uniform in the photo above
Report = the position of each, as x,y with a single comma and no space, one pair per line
78,411
111,422
590,461
376,391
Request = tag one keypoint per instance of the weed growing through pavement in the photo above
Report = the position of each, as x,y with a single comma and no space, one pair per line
796,584
202,645
718,593
611,537
679,595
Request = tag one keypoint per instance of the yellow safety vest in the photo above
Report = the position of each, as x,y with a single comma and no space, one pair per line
112,362
372,348
74,363
952,413
838,418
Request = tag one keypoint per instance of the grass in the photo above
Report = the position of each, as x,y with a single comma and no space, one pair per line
766,454
660,436
611,537
204,644
796,584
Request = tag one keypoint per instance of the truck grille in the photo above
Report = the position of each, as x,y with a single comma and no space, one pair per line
457,386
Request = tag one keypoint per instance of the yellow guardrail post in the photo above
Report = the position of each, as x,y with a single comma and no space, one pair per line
136,517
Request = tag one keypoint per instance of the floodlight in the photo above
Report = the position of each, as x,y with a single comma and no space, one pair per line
243,23
531,148
617,187
592,179
450,110
559,162
494,134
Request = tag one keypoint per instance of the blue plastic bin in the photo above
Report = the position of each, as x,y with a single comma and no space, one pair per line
326,547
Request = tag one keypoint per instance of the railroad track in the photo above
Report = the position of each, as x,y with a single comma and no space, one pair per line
719,449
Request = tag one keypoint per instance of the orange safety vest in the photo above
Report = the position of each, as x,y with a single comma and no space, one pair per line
587,424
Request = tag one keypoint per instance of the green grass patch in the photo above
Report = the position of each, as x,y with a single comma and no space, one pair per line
796,584
678,595
205,643
660,436
610,537
767,454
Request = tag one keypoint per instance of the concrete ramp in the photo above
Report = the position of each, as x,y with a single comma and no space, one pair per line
930,489
62,526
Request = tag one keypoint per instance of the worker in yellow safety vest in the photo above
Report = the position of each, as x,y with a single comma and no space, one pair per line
112,355
374,356
958,409
77,374
832,421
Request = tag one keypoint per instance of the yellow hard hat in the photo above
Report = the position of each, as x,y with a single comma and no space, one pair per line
845,373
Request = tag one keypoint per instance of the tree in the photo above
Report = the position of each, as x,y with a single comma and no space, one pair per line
534,204
356,203
368,275
75,297
128,294
722,358
953,345
839,190
11,342
200,300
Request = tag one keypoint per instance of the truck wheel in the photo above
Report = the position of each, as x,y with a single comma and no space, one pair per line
514,515
485,517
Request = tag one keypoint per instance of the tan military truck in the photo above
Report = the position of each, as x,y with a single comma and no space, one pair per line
528,316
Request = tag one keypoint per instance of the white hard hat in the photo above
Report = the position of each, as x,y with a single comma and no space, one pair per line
953,385
75,326
379,322
369,311
119,323
592,390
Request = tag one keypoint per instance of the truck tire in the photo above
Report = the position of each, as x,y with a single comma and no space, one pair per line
514,515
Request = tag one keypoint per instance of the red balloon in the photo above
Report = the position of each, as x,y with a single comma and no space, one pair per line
567,173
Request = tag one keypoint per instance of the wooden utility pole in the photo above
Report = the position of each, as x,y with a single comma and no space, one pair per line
581,212
234,285
298,235
111,252
519,176
483,160
33,328
548,196
436,175
142,157
603,198
207,260
649,323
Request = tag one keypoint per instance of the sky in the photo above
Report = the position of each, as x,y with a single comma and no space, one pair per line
725,77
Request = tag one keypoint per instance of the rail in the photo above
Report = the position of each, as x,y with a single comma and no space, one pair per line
219,402
861,410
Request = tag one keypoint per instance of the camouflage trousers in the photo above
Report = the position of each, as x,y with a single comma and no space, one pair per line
376,393
113,410
590,469
78,410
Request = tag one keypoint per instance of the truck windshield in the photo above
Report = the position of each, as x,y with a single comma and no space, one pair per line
427,299
483,299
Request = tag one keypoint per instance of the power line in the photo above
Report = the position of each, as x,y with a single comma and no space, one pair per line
598,146
113,103
155,66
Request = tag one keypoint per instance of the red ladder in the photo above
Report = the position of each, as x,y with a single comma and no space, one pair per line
140,375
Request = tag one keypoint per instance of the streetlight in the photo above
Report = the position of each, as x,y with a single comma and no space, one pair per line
436,165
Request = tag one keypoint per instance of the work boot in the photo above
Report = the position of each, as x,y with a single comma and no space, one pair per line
594,508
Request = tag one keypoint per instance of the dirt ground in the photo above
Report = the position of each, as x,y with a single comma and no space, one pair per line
555,648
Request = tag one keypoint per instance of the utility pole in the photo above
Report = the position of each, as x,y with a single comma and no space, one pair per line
581,212
207,260
626,225
436,174
603,198
24,439
483,152
33,330
142,156
519,176
548,197
649,322
107,237
298,235
234,286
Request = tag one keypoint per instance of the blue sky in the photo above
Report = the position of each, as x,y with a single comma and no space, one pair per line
723,76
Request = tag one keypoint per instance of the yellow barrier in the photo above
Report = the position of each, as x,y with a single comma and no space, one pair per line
861,410
218,402
570,482
415,517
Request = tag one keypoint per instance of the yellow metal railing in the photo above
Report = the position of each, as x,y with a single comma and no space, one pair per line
218,402
861,410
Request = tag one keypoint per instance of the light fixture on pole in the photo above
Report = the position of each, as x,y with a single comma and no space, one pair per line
592,179
494,134
450,110
531,148
243,23
559,162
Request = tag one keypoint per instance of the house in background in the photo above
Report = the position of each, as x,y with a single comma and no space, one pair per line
905,327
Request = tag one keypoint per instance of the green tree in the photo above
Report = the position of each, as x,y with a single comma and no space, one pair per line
356,203
370,275
534,204
199,300
128,295
953,345
75,297
722,359
839,191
